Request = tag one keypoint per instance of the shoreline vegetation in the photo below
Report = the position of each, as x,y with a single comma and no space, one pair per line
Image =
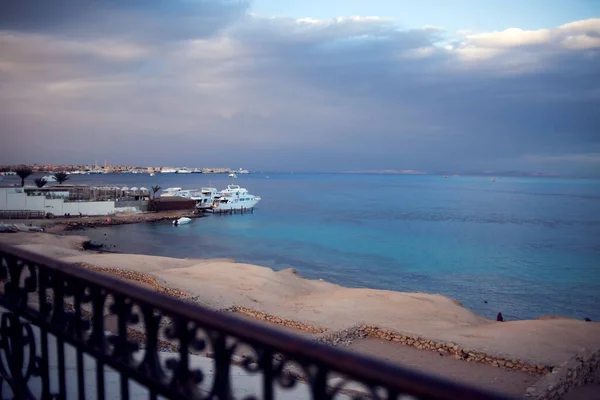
431,323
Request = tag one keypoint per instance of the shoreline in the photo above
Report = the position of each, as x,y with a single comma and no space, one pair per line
343,337
488,311
80,223
429,323
74,224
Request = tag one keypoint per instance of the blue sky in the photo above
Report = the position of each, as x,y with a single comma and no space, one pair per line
307,86
475,15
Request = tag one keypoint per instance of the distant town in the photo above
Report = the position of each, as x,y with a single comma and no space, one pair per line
109,168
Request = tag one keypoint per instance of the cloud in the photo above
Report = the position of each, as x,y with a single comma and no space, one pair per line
542,43
156,20
349,93
591,158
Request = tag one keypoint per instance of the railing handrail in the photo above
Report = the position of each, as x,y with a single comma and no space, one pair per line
343,361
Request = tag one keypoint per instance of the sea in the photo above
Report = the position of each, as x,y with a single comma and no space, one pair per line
525,247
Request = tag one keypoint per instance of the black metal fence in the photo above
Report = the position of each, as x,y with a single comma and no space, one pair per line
22,214
67,332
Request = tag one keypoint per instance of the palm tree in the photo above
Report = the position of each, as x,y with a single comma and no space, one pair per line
40,182
23,173
61,177
155,189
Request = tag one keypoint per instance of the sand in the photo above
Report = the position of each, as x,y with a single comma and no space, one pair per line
484,376
224,283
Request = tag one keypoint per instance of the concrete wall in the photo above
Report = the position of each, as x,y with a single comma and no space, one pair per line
141,205
89,207
16,199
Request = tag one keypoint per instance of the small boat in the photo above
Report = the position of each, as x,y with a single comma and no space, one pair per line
49,178
182,221
233,176
151,173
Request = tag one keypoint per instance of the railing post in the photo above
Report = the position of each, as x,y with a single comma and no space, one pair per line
13,345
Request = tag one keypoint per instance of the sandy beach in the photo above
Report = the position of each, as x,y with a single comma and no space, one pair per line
330,308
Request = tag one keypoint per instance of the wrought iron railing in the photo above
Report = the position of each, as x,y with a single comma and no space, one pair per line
56,343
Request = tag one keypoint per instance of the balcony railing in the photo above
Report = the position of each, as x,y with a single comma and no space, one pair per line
67,332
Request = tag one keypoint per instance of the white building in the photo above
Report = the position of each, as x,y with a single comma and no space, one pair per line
14,198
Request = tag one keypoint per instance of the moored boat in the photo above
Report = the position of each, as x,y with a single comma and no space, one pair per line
234,198
170,192
182,221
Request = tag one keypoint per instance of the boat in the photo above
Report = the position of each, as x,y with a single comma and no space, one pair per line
184,171
170,192
206,197
151,173
49,178
182,221
234,198
232,175
168,171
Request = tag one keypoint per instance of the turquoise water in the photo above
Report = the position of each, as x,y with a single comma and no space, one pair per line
522,246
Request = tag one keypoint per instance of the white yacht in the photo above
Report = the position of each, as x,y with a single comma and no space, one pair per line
170,192
184,171
206,197
234,198
49,178
168,171
232,175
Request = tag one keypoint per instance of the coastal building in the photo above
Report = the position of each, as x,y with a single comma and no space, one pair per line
72,199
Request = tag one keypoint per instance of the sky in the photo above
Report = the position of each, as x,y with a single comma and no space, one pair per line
466,85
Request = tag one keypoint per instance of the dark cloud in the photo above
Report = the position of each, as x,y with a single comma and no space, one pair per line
345,94
148,20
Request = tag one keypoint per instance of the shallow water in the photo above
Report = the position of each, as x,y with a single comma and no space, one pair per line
522,246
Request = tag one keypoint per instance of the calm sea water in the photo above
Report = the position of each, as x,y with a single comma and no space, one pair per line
522,246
